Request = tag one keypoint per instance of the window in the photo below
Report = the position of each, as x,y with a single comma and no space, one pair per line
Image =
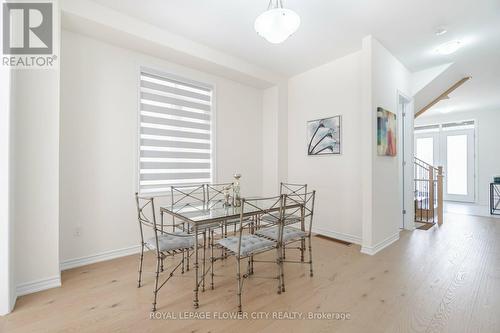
175,132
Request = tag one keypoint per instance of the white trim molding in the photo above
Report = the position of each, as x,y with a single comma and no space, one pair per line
38,285
103,256
371,250
338,235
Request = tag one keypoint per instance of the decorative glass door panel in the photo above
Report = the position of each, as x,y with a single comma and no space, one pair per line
458,149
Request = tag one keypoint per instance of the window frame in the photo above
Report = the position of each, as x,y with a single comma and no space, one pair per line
213,121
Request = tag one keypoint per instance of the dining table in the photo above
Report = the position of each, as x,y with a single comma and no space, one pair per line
198,216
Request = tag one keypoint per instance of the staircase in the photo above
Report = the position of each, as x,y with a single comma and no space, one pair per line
428,192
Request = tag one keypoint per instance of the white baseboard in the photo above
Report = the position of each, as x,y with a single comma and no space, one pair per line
371,250
53,282
38,285
6,306
338,235
103,256
13,300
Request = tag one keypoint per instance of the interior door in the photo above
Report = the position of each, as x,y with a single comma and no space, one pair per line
458,164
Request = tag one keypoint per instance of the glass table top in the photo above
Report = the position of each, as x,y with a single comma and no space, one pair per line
217,211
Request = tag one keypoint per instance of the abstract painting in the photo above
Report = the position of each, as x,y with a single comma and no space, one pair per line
386,133
324,136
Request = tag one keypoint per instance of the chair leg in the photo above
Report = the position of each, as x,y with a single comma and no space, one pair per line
204,260
249,264
140,265
155,290
238,276
182,262
282,270
222,250
187,254
225,236
212,260
278,266
302,249
310,258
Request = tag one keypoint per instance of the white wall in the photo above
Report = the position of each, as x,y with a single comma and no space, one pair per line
487,139
35,173
270,146
384,77
283,129
7,284
329,90
99,91
36,176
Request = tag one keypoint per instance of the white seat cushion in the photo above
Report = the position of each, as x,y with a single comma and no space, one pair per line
249,244
274,219
289,233
175,241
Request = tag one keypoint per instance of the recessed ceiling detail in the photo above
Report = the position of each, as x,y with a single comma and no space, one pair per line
332,29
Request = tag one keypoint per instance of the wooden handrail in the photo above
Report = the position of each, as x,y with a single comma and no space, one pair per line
443,96
425,164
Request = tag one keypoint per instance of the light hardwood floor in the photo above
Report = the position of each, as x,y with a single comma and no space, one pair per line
444,279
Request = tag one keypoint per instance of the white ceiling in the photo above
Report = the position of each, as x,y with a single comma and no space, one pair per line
331,29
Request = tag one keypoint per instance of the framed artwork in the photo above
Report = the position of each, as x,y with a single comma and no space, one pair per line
324,136
386,133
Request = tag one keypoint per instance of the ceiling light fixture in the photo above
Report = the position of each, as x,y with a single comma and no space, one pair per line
449,47
276,24
441,31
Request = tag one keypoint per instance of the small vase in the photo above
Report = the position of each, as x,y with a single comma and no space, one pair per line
236,190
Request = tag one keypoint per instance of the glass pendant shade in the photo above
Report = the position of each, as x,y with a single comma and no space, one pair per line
277,24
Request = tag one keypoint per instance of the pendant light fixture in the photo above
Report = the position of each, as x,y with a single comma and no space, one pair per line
276,24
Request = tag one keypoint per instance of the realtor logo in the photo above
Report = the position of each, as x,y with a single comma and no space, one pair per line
27,34
27,28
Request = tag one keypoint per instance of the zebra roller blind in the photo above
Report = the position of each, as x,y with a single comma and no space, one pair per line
175,132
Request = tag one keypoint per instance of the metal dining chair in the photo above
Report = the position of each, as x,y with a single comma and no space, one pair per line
291,189
164,243
245,245
191,197
295,189
294,230
216,192
216,196
298,190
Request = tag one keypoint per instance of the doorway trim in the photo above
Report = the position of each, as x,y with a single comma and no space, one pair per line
405,159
